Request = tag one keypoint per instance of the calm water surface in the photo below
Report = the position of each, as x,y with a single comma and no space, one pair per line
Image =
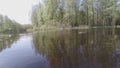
93,48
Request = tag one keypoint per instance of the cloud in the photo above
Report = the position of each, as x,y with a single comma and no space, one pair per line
17,9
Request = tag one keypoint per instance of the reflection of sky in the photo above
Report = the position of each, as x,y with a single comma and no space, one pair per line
22,55
19,10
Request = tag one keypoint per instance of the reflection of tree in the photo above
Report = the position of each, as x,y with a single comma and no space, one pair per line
6,42
100,52
71,49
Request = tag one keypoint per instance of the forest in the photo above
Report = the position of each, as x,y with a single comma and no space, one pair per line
67,13
75,13
8,26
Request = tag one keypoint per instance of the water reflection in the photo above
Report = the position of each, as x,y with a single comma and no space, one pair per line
93,48
6,42
21,54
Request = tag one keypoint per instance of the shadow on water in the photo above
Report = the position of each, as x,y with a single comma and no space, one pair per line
93,48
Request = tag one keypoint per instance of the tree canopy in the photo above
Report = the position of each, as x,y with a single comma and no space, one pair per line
10,26
76,12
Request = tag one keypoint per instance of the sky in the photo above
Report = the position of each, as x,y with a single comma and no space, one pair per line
18,10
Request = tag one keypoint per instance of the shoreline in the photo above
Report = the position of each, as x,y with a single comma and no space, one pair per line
80,27
83,27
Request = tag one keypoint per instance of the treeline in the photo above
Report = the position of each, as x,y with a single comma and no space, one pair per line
76,12
10,26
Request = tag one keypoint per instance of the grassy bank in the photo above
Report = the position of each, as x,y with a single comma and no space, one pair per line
3,36
59,28
79,27
105,27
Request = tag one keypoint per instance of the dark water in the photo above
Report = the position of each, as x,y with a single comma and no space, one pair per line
93,48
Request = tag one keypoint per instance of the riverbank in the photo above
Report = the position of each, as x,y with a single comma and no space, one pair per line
5,36
59,28
82,27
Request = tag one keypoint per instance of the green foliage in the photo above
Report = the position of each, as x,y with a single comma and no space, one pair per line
75,12
10,26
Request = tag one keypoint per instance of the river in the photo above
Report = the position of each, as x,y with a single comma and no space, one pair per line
92,48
